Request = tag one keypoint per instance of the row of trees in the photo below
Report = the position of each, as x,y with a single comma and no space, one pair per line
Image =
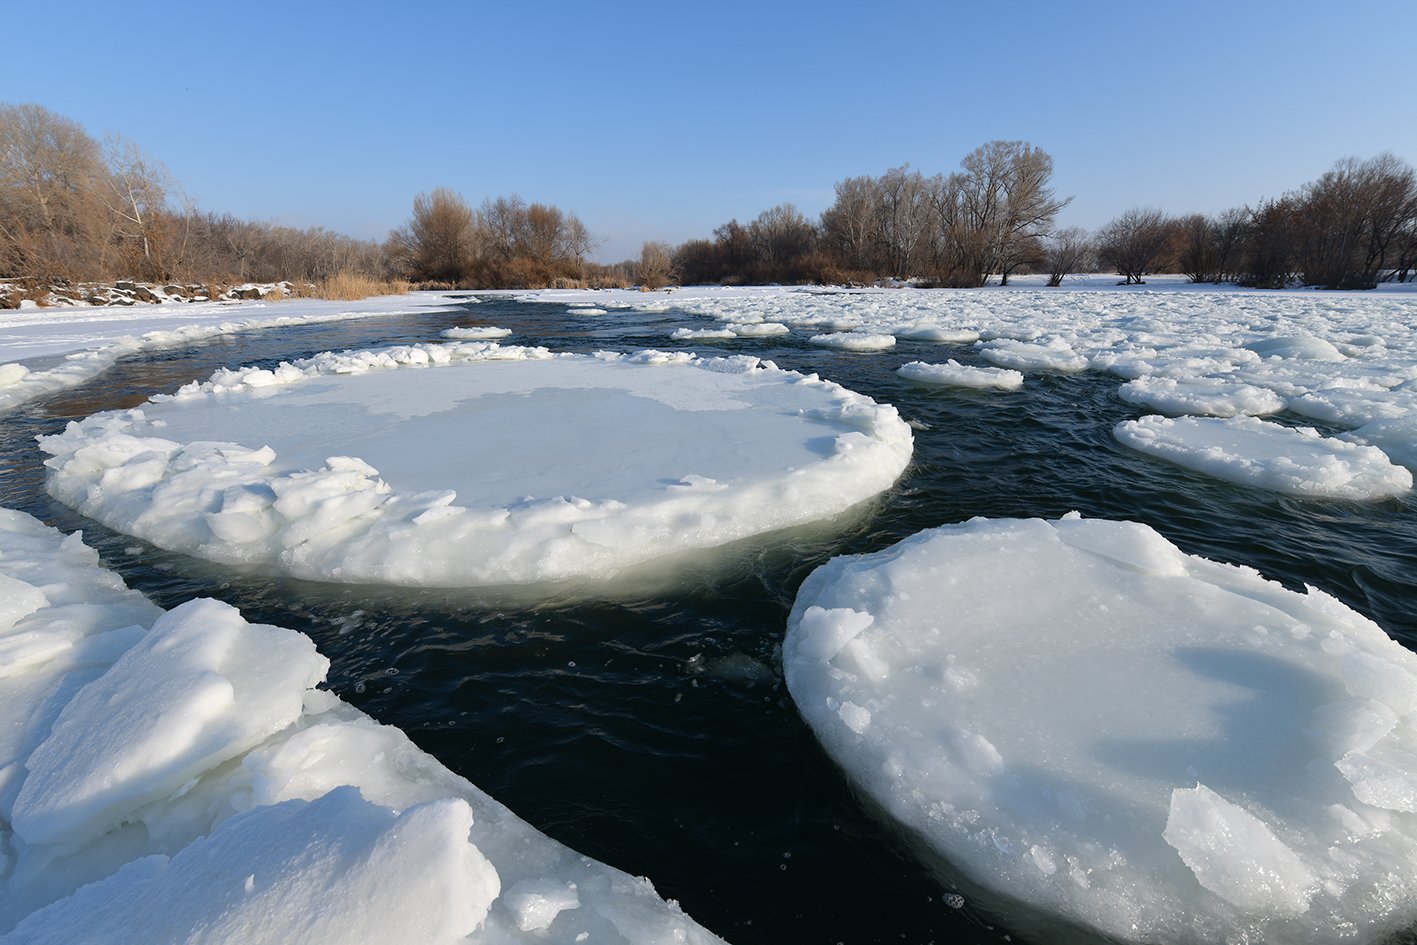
1354,227
989,217
506,242
73,209
76,209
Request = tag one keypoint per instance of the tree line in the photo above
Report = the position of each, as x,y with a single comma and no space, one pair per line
74,209
1353,228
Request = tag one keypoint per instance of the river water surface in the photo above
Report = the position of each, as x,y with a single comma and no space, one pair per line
653,731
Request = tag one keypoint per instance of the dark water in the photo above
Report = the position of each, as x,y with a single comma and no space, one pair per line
653,732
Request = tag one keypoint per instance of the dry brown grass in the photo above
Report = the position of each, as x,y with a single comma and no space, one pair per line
350,286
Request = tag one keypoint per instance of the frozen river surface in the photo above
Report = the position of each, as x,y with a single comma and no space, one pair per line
653,730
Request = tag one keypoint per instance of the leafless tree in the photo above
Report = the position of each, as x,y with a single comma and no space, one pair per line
51,224
655,268
1133,242
1066,251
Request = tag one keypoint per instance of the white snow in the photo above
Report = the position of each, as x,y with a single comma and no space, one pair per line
68,346
474,464
1157,746
1207,396
1053,355
476,333
954,374
854,341
1255,452
186,783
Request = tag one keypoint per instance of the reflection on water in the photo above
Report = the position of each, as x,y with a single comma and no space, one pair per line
648,726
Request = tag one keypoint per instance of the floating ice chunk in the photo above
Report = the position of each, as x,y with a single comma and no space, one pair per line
1304,347
11,374
203,686
18,600
1054,355
1257,453
1234,855
954,374
702,334
928,331
1208,396
757,329
1396,437
476,333
1109,673
487,466
1355,406
273,844
854,341
333,870
537,902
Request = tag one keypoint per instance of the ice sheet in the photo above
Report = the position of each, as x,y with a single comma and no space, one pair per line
1153,745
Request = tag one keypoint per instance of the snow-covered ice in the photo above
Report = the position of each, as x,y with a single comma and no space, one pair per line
1206,396
854,340
954,374
473,464
1160,747
68,346
1248,450
476,333
188,783
1053,355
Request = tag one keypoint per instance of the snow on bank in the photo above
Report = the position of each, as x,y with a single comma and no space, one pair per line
1254,452
187,783
1140,741
88,341
478,465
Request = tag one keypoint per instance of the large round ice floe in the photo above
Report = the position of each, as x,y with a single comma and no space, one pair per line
1247,450
489,466
187,783
1157,746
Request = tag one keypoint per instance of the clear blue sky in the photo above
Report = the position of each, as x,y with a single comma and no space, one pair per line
663,120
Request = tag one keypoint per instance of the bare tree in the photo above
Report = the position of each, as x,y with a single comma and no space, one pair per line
655,268
1066,251
51,224
1354,217
437,242
1133,242
135,194
1008,203
849,225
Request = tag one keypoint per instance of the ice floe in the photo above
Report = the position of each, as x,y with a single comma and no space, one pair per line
1207,396
188,783
472,464
954,374
1162,748
1248,450
854,340
476,333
